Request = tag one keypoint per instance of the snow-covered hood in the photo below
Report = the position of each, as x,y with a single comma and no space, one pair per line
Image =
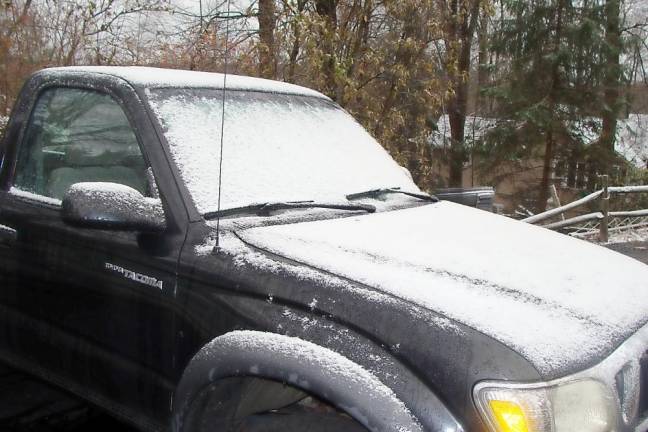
554,299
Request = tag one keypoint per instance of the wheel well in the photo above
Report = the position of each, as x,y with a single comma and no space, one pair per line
281,360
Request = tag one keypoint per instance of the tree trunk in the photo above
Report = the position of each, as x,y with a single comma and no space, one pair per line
457,119
547,166
294,52
550,141
612,78
458,111
572,167
327,10
461,28
267,51
482,72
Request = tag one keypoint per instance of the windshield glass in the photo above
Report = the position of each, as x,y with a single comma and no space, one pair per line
276,148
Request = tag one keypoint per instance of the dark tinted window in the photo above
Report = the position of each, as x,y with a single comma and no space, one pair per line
78,136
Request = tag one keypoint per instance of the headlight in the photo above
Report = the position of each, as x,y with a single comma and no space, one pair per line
582,406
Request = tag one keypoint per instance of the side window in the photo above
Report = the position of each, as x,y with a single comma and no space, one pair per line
78,136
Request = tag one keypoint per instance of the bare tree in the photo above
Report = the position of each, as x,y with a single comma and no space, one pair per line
267,50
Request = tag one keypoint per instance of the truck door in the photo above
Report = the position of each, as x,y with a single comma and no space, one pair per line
91,309
7,259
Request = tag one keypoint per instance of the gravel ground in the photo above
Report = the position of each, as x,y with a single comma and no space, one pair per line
633,243
29,405
98,423
635,249
103,423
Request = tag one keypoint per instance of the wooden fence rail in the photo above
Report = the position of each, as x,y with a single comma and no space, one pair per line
561,210
602,218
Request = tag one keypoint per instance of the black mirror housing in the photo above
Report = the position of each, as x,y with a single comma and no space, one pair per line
112,206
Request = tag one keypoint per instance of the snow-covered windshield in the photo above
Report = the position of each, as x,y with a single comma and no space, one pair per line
277,147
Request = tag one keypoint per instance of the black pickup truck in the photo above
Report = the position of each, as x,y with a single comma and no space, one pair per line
191,255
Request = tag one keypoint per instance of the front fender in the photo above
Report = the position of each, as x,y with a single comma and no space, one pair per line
302,364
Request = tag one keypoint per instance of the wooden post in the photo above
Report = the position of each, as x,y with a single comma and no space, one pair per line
556,199
605,209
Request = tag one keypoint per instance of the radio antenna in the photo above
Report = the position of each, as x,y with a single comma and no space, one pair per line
222,131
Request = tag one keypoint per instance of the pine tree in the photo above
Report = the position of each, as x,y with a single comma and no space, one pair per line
556,62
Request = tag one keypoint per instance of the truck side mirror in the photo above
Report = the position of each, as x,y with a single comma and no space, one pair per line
112,206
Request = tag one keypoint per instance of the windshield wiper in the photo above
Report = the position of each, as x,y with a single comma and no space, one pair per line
375,193
264,209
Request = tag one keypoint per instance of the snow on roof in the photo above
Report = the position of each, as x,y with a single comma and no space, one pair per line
631,136
475,129
157,77
631,139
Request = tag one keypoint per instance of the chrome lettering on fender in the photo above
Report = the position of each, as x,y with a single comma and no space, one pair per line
137,277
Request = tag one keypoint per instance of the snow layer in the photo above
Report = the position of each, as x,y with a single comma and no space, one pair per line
633,235
276,148
476,127
245,257
123,201
30,196
631,137
555,299
157,77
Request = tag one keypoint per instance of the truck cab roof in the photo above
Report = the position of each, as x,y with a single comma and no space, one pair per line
150,77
